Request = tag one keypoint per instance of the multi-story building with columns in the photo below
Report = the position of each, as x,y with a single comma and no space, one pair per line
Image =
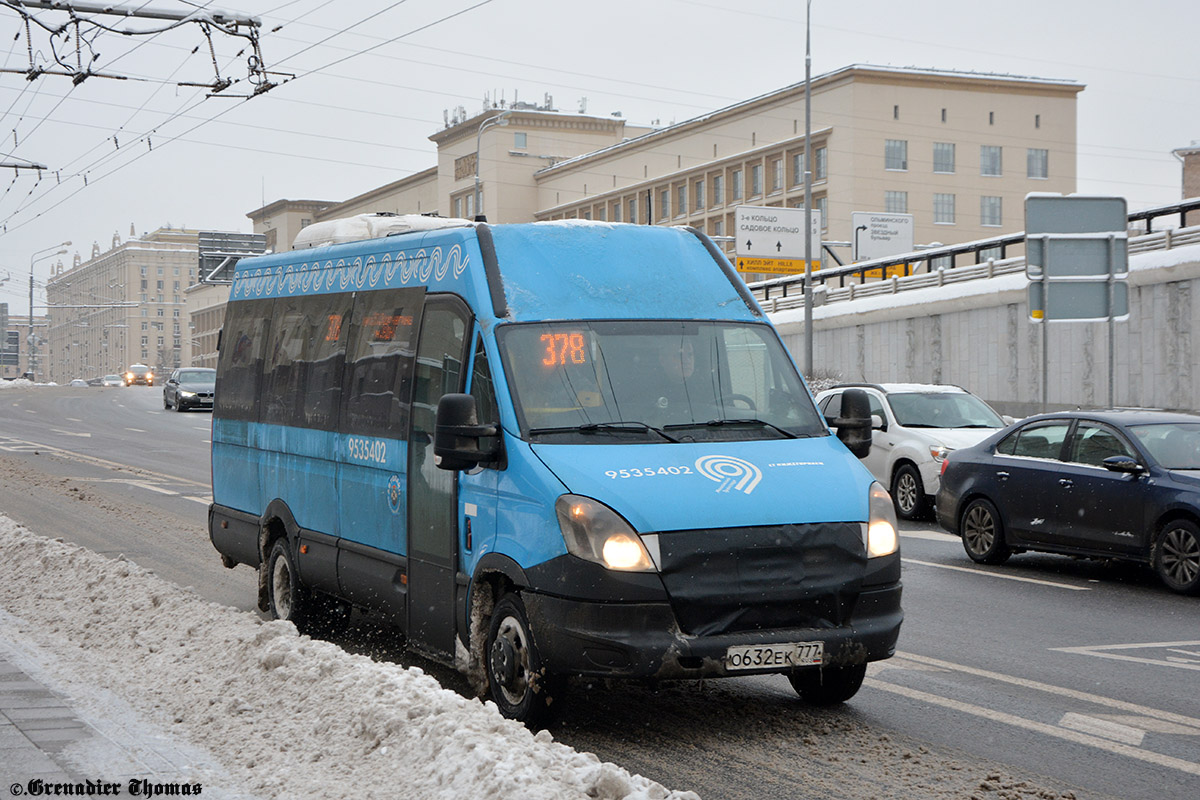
959,151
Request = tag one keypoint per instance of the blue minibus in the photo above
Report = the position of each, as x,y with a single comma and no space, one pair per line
546,450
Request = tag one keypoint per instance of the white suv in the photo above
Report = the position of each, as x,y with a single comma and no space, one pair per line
916,425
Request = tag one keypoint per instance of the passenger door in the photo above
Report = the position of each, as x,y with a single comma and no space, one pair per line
432,492
1103,510
1026,473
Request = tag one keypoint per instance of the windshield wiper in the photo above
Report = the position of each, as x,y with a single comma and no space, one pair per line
617,426
716,423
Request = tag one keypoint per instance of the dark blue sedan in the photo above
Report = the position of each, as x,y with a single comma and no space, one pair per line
1104,484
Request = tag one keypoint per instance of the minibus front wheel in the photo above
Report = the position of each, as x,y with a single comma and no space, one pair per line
828,686
520,685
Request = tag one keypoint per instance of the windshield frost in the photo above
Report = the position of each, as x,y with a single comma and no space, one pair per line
683,380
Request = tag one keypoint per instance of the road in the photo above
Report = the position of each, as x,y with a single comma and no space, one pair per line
1038,678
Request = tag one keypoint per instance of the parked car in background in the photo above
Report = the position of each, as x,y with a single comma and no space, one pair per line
917,425
112,380
139,373
79,382
1106,484
190,387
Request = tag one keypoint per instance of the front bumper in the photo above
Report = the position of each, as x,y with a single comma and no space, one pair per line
643,640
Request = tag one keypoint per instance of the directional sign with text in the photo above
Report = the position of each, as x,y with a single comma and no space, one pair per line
880,235
772,239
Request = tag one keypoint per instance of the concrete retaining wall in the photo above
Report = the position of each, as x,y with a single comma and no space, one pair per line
978,334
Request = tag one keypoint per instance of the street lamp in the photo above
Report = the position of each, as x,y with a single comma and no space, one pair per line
33,259
500,119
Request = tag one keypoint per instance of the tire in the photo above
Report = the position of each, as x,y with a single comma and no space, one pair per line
1177,556
983,533
179,406
520,686
908,493
828,686
166,405
289,598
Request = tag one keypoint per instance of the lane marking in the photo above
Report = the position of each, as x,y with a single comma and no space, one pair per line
1105,651
135,430
20,446
201,500
1074,694
976,571
1103,727
1055,731
932,536
72,419
71,433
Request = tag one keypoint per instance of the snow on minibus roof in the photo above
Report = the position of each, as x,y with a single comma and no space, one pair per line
370,226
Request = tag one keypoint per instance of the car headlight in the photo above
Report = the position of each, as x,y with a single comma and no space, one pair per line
596,533
185,393
938,452
882,539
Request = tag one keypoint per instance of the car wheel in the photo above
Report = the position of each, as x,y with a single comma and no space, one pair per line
166,405
520,686
983,533
908,493
289,598
827,686
179,405
1177,556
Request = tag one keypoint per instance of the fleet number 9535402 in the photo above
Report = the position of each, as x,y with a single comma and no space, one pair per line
766,656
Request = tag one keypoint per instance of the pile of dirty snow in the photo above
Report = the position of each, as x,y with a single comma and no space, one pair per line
285,716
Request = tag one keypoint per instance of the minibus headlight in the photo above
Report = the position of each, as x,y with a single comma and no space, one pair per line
882,539
595,532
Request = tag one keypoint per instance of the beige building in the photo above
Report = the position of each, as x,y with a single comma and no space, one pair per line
958,151
121,307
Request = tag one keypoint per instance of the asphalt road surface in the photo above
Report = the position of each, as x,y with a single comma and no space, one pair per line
1044,677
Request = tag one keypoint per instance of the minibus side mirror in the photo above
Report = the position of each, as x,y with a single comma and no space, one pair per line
457,434
854,425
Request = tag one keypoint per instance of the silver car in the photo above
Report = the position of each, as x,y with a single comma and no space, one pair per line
915,427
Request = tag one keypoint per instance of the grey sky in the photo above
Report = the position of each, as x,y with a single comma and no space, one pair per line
339,130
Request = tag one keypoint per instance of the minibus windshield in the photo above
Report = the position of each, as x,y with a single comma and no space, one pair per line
640,381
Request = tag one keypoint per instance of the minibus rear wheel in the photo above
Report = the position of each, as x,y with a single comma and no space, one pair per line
290,599
828,686
520,686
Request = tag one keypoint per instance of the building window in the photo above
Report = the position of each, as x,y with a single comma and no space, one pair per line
699,194
718,190
664,203
718,227
736,188
989,160
1037,120
1037,163
943,115
989,253
943,157
895,112
895,154
943,208
602,213
895,202
458,208
586,214
681,199
777,175
990,211
991,118
633,209
820,204
756,180
821,168
520,140
797,169
616,212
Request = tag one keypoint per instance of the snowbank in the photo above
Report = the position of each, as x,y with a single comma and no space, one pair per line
286,716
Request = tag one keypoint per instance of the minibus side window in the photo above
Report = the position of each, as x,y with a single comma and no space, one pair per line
302,372
379,362
244,338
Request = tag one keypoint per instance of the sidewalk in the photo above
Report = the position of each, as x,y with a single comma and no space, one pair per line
46,737
35,725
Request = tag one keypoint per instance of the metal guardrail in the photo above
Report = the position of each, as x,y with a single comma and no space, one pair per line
940,265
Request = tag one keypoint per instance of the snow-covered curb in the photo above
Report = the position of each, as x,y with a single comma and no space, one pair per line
287,716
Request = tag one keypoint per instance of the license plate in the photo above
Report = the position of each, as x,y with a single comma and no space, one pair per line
774,656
